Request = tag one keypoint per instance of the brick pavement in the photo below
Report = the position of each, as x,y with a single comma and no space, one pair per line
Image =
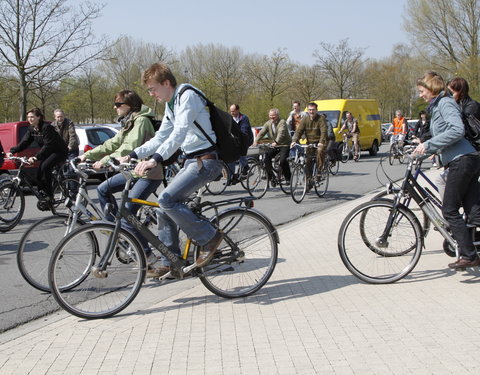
312,317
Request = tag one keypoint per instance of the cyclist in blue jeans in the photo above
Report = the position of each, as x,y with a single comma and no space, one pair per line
202,164
136,129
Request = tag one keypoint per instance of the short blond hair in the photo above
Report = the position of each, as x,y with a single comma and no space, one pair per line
432,81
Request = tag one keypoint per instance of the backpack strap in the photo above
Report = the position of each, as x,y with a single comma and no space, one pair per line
209,104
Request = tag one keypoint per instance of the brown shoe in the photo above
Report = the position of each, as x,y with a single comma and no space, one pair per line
208,250
463,263
157,271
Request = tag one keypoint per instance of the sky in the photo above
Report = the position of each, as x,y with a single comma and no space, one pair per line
259,26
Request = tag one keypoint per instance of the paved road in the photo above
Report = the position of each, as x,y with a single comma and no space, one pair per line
22,303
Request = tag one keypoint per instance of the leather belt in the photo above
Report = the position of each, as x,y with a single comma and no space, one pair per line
206,156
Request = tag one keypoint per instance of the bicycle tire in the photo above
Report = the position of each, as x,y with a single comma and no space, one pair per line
401,155
67,188
243,177
219,184
345,152
36,247
257,180
12,205
245,259
411,204
95,297
357,243
333,166
391,154
298,184
321,186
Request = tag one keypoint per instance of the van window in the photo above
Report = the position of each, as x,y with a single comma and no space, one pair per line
332,117
21,132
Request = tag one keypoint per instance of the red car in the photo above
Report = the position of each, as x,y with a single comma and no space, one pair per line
10,135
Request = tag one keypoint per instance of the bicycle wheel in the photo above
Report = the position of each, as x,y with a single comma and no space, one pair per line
401,155
333,166
365,257
36,247
99,295
220,183
67,188
298,184
244,174
321,185
391,154
245,259
345,152
12,205
257,181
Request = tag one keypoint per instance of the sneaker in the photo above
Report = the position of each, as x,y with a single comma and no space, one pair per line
208,250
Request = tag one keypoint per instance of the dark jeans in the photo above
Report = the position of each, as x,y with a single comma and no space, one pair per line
283,150
463,190
44,172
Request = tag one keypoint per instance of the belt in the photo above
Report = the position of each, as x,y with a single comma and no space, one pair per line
206,156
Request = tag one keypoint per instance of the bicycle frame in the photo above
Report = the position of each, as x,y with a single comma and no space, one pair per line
425,200
178,263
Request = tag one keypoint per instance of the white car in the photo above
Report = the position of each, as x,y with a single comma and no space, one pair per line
92,135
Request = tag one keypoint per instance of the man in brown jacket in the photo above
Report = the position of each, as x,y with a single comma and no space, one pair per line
277,131
314,126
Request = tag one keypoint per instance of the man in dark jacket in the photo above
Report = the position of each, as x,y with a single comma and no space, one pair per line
247,140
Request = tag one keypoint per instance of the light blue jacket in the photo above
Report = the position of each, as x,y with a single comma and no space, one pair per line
178,130
447,130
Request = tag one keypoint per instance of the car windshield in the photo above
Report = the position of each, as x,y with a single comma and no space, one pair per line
332,117
97,136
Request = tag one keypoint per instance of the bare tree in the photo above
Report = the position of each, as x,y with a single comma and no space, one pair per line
125,60
447,33
342,65
307,84
273,74
45,39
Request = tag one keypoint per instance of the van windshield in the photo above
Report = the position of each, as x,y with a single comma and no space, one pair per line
332,117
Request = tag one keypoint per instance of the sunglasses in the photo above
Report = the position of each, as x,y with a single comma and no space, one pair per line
118,104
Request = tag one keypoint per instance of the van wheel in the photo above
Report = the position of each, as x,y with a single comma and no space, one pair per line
374,150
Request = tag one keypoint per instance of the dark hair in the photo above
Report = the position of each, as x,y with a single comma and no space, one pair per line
37,112
421,113
130,98
237,107
312,103
460,85
296,102
159,72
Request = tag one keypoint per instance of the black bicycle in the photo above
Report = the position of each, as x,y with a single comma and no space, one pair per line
12,198
103,275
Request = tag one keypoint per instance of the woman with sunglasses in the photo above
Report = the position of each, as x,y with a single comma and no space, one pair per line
463,162
137,128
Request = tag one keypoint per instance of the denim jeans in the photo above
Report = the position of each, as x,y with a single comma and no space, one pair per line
173,211
462,189
141,189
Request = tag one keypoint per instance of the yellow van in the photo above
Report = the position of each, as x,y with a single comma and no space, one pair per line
364,110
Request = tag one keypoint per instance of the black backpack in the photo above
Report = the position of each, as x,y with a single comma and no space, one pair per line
229,136
472,129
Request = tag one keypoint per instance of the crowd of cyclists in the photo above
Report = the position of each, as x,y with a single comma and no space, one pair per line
137,139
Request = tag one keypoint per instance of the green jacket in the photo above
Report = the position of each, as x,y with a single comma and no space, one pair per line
137,130
282,135
315,130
